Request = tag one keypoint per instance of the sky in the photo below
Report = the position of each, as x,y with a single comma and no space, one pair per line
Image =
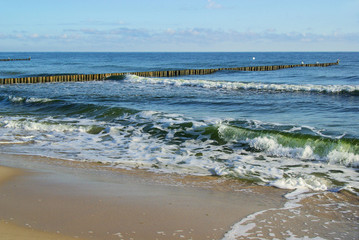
178,25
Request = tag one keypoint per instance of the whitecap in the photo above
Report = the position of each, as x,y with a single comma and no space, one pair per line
245,85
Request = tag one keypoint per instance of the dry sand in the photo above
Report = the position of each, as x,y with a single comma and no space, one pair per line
90,202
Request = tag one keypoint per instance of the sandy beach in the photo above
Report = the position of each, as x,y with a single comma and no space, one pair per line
9,230
46,198
54,199
7,173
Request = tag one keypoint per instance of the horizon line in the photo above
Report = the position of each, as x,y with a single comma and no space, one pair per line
345,51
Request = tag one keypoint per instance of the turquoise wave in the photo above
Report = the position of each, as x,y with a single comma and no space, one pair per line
344,151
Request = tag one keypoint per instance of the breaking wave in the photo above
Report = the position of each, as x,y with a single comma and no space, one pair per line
15,99
328,89
173,143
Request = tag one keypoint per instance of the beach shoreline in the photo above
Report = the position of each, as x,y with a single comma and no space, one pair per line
51,198
90,202
230,155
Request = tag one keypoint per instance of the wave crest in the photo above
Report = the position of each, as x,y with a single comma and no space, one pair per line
295,145
15,99
329,89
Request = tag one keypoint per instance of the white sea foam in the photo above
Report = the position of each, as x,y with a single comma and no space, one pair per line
303,183
151,140
244,228
293,237
313,212
270,145
16,99
245,86
48,126
35,100
12,142
343,157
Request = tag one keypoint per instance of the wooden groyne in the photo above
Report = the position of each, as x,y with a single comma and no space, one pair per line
15,59
170,73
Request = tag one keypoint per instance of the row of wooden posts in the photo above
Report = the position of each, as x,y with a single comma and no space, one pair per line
171,73
15,59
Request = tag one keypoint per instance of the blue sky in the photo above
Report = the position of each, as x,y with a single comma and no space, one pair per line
179,25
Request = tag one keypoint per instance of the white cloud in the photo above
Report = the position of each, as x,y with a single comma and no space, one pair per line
213,5
188,35
35,35
187,39
170,31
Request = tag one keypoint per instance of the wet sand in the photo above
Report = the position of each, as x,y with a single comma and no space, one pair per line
9,231
320,215
89,201
7,173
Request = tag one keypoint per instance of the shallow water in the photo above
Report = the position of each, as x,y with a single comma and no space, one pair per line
308,216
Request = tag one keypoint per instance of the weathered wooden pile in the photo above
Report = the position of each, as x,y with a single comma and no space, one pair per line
171,73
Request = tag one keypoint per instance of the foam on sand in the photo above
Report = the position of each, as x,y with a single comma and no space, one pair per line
311,216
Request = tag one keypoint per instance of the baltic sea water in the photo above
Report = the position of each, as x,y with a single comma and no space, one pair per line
251,125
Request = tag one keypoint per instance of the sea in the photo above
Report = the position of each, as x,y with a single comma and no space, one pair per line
296,129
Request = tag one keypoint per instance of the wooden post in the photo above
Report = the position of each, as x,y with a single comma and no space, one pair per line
167,73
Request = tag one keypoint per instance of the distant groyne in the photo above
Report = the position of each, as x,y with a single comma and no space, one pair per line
14,59
170,73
